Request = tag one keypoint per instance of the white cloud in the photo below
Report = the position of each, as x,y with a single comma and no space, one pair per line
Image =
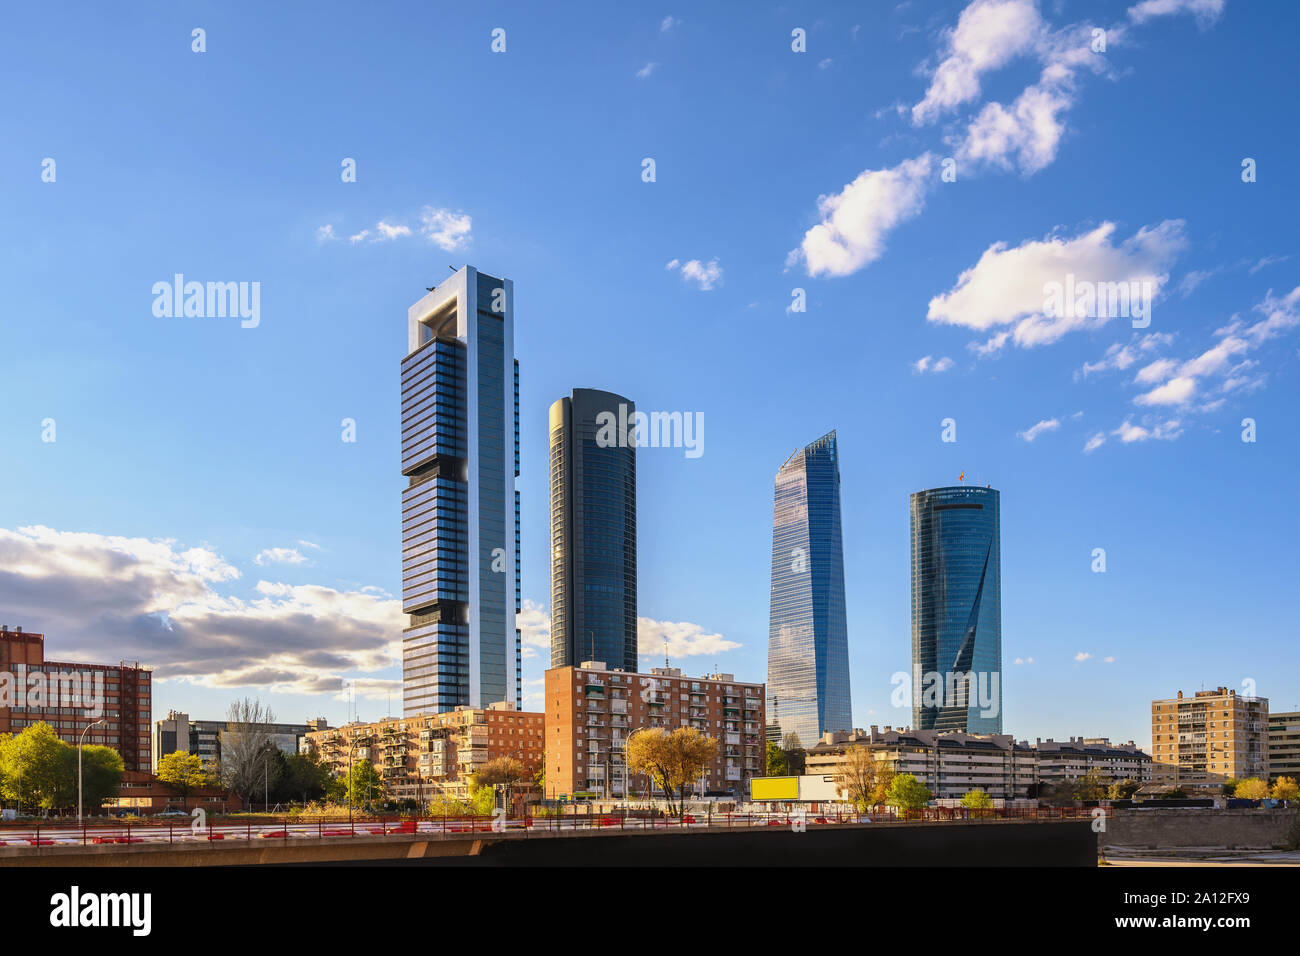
856,220
989,33
705,275
389,232
107,598
1128,433
667,23
279,556
1171,382
1095,442
325,233
1024,660
359,237
1266,262
646,70
934,366
447,230
1046,425
1122,355
1108,660
534,624
1007,286
1176,391
684,639
1082,656
1205,11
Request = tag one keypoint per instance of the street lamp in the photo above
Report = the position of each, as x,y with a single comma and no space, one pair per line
79,741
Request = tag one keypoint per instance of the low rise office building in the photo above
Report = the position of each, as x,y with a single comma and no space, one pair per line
176,732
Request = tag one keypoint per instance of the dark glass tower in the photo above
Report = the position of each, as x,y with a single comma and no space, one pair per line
808,644
593,530
460,510
956,610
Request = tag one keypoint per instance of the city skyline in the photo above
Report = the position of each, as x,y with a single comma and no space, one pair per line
182,490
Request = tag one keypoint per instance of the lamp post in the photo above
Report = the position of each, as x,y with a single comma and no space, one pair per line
79,742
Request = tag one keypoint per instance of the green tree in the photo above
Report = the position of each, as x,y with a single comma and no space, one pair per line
907,793
1252,788
977,799
182,772
364,785
102,770
777,765
34,764
305,777
482,799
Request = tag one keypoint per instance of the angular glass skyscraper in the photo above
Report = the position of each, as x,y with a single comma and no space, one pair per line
460,510
956,610
808,643
593,530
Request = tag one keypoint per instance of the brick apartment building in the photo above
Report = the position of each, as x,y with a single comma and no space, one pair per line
1200,742
432,755
591,710
61,693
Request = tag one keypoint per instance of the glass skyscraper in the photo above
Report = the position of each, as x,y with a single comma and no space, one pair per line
593,530
460,509
808,644
956,610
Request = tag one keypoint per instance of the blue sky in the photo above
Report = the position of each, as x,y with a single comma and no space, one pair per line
197,509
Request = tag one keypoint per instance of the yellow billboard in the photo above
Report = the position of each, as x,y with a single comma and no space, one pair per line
774,788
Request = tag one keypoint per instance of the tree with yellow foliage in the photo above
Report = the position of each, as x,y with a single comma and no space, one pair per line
672,759
1284,788
862,778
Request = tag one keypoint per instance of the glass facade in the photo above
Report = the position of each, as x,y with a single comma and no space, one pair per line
460,510
593,532
808,645
956,610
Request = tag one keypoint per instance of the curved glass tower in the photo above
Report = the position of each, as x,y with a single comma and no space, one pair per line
956,610
593,530
808,643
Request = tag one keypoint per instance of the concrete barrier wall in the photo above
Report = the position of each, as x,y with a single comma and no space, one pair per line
1212,828
1067,843
994,843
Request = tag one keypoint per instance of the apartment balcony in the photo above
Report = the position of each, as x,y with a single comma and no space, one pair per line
732,738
